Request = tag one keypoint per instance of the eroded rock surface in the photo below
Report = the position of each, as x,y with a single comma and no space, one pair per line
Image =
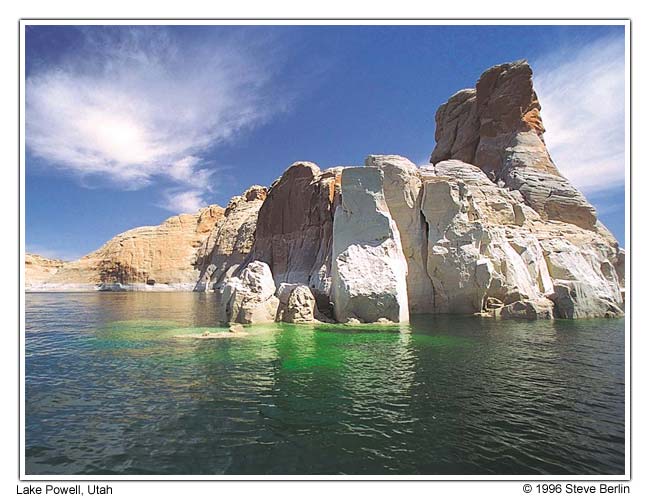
491,227
369,268
297,304
500,122
163,256
294,229
487,246
231,240
403,193
250,297
39,269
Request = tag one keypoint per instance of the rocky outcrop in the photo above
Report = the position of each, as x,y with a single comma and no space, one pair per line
487,246
297,304
457,127
294,229
403,193
249,298
498,127
39,269
158,257
231,240
491,227
369,268
475,247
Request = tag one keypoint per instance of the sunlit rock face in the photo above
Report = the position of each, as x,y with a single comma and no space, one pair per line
151,257
490,227
250,297
489,251
477,248
39,269
403,193
498,127
231,240
369,268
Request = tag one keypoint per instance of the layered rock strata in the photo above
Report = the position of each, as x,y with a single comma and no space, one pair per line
231,240
39,269
498,127
490,227
149,257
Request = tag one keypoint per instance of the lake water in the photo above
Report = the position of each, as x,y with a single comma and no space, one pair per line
111,388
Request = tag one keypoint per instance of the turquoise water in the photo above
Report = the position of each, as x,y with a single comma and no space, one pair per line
116,384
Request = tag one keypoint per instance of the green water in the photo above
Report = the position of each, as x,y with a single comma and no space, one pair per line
116,384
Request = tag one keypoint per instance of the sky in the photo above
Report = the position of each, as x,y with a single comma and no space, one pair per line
127,126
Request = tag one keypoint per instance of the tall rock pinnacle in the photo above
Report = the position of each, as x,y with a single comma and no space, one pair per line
498,127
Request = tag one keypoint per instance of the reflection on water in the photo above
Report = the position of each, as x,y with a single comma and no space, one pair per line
112,387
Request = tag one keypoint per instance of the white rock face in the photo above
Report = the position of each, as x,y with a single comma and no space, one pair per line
488,250
369,268
249,298
585,279
402,190
230,241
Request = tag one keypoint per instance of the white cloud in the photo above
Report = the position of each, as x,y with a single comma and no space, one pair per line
184,201
136,106
582,92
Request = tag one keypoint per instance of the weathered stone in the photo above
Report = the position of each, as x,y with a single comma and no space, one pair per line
493,303
39,269
574,300
231,240
500,123
249,298
294,229
585,281
369,268
166,254
476,247
527,309
402,191
457,128
301,306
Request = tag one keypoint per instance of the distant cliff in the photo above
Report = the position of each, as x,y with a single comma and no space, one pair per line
150,257
490,227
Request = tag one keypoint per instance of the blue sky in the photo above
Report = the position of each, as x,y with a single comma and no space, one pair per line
127,126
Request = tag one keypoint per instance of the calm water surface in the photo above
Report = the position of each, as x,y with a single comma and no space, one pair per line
111,388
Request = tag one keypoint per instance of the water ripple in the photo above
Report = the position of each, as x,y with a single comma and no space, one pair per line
110,389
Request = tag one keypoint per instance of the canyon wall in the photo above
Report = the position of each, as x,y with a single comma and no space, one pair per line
489,227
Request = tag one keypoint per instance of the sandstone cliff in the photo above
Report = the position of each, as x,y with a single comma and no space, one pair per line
490,227
150,257
40,269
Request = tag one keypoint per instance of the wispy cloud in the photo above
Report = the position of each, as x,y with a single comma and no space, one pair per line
134,106
582,92
184,201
